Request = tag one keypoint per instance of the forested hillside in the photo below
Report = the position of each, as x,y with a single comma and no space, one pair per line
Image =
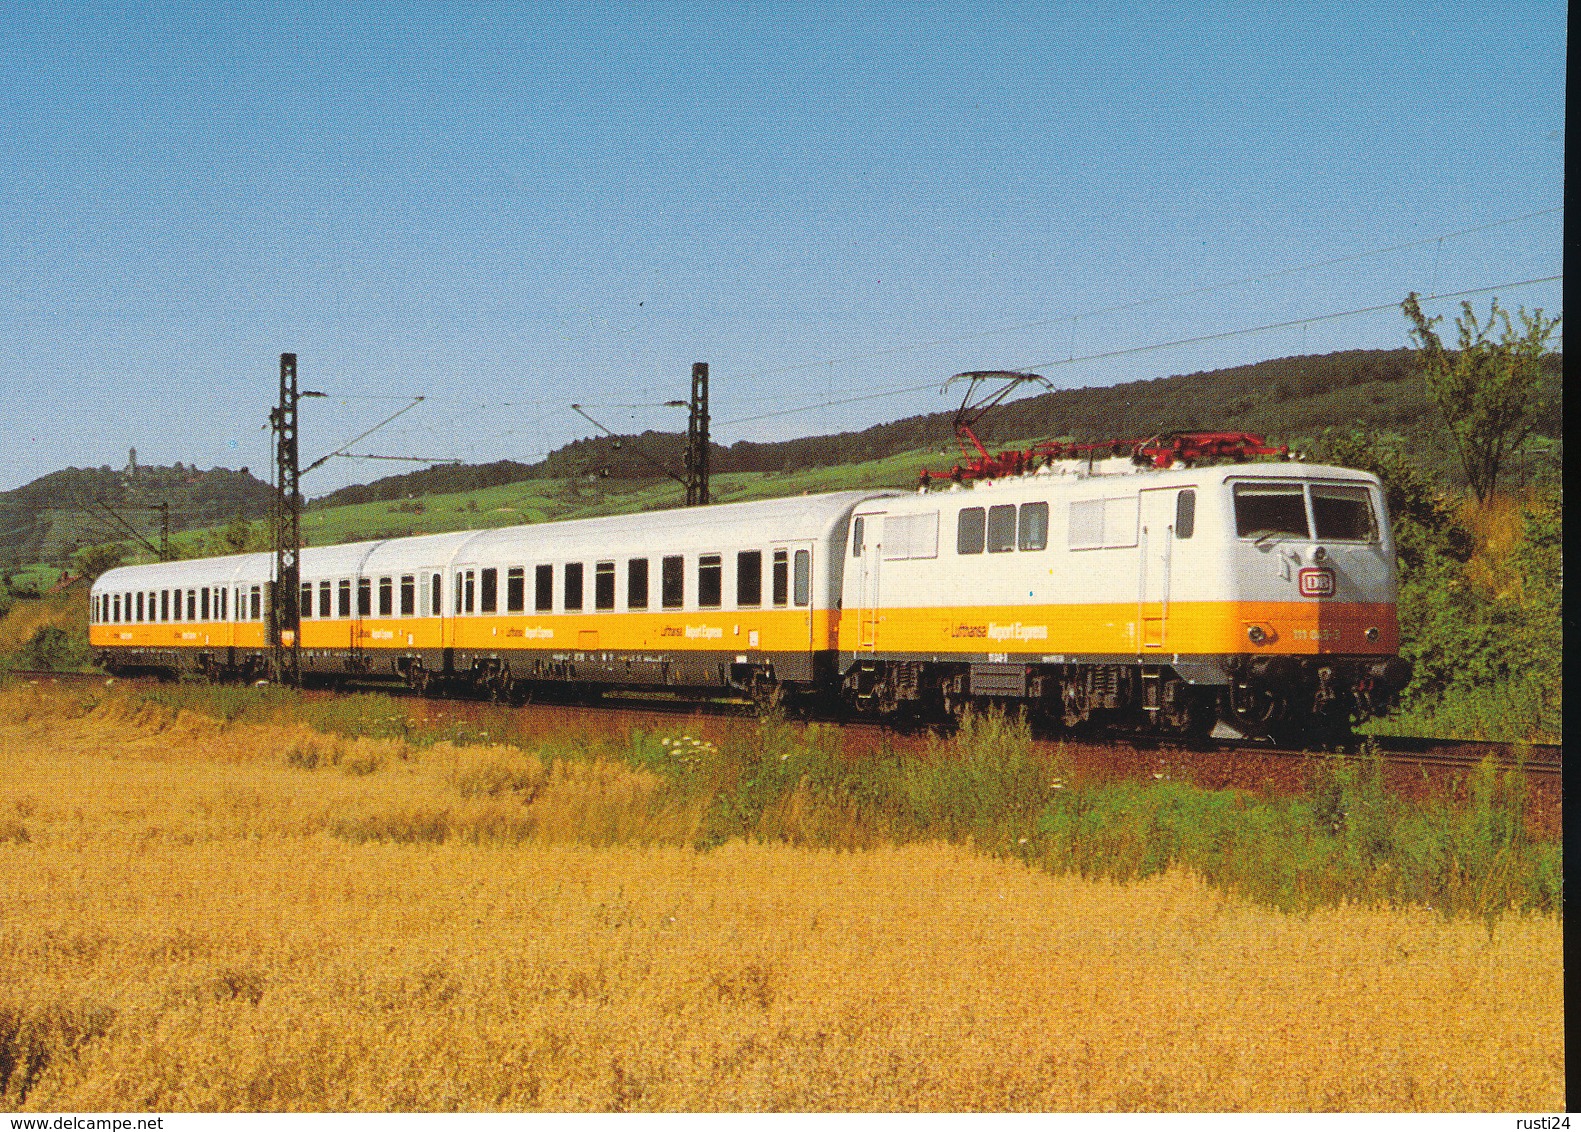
1290,400
46,520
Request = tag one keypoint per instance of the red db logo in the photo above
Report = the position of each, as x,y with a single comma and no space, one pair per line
1317,583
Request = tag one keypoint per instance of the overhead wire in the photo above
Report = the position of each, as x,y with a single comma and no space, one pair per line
1149,347
1192,292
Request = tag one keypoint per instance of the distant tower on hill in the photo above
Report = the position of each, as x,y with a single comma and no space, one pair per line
131,464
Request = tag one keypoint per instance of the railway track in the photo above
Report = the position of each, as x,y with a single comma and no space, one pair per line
1537,759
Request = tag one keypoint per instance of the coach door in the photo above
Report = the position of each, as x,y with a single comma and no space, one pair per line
1156,547
867,550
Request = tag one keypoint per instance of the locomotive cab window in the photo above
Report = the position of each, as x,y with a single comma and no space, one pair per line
1264,510
1343,513
1185,514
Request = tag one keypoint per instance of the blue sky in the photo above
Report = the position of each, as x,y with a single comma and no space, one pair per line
508,208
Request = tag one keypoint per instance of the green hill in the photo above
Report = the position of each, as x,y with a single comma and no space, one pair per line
48,519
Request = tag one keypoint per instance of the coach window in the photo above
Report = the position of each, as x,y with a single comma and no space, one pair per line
192,605
637,583
803,590
604,585
326,597
386,596
115,608
1001,528
1185,514
516,590
969,531
489,591
175,605
408,595
781,581
573,585
224,592
307,599
164,605
672,581
436,598
343,595
749,578
1032,531
466,591
255,602
437,592
139,605
203,607
710,581
364,597
856,537
543,589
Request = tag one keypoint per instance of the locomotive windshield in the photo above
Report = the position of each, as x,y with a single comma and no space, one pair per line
1339,513
1343,513
1270,509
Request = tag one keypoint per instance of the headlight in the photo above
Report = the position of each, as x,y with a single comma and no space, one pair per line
1372,633
1256,634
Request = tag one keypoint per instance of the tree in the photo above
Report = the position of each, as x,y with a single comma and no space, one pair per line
1486,390
91,561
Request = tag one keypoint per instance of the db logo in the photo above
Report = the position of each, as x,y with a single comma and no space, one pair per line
1317,583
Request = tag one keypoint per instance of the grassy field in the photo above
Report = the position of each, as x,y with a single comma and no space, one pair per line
215,908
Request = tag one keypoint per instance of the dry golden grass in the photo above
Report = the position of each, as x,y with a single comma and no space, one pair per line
196,917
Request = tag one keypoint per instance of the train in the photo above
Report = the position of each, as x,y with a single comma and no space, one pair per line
1123,588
